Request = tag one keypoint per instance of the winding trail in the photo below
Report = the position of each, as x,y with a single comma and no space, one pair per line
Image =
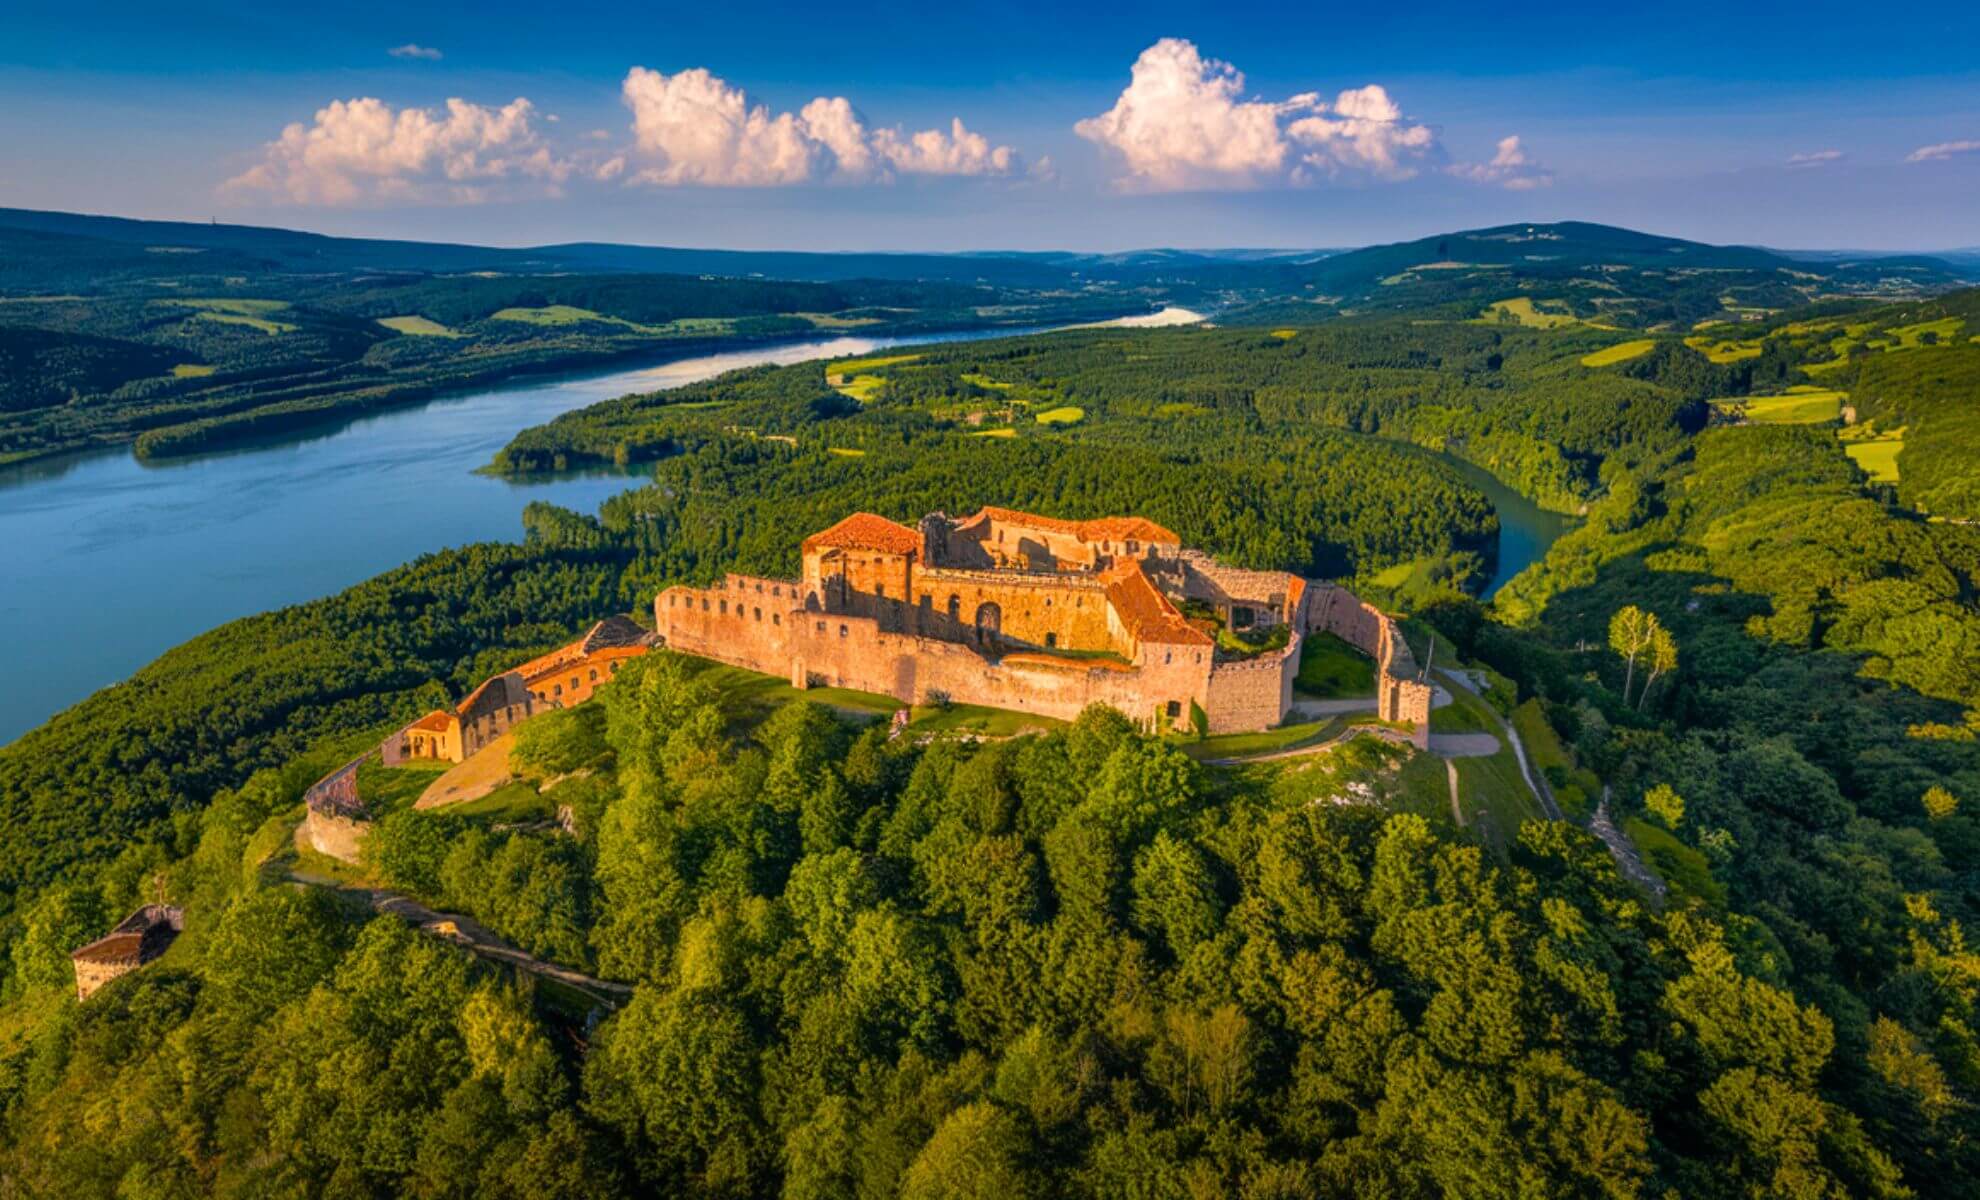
469,934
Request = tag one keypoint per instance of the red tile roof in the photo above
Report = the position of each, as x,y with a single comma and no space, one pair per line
1099,529
437,721
1145,611
865,531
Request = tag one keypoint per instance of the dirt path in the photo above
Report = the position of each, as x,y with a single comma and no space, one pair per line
1628,861
469,934
1457,813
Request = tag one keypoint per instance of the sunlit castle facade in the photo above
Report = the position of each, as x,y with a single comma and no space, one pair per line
1018,611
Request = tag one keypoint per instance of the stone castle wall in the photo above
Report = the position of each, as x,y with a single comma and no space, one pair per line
914,653
1255,694
1399,695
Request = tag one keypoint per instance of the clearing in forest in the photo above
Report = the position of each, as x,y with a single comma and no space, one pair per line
1620,352
1065,414
417,326
1522,310
1799,405
1876,453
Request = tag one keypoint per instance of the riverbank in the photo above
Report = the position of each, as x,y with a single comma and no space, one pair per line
113,561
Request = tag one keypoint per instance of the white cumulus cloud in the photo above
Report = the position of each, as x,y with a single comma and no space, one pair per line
1943,150
1815,158
415,50
360,149
1510,168
1184,122
695,128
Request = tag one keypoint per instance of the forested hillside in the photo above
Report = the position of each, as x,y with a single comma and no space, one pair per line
1081,962
183,348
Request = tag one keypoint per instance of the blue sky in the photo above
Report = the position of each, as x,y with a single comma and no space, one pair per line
1807,125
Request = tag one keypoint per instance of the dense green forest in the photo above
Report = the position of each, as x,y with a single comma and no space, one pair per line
1080,962
219,349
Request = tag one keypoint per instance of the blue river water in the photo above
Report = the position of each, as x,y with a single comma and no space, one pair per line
107,562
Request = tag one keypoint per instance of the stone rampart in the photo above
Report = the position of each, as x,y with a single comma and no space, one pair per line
1399,694
1254,693
335,822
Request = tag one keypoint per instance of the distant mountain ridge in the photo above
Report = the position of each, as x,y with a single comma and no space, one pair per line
1464,265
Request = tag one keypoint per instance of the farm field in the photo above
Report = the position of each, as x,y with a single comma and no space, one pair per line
1521,310
1065,414
1621,352
1801,405
417,326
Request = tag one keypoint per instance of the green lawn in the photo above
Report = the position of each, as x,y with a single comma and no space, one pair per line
1263,741
976,719
1330,669
1621,352
416,326
847,451
516,801
191,371
753,696
384,788
1005,432
979,379
1494,799
1065,414
1877,456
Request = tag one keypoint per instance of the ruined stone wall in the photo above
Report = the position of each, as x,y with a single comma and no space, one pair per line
1399,694
92,974
1265,593
837,650
732,622
1033,610
340,837
1255,693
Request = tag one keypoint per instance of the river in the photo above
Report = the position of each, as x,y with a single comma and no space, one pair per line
1525,529
109,561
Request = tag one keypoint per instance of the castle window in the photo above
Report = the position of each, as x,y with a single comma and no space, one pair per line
1048,602
821,627
594,674
612,668
880,590
955,607
558,690
1051,640
574,683
1175,709
704,604
775,619
1168,656
842,631
725,608
758,613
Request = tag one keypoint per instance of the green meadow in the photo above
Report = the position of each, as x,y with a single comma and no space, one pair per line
1621,352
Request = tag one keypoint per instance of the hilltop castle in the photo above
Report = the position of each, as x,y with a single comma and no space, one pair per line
1018,611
